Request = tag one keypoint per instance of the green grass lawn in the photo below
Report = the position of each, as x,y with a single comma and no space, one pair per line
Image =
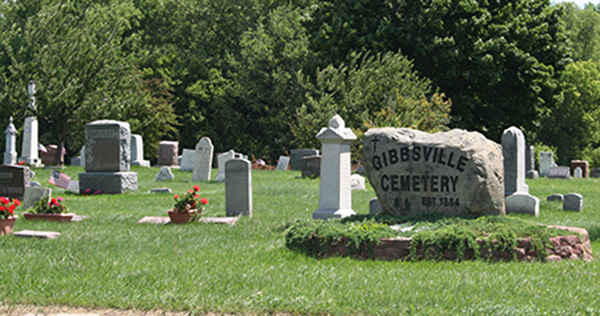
108,260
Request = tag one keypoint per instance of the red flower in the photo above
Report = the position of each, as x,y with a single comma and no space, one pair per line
17,202
20,163
4,200
190,191
2,208
196,195
176,196
12,208
53,201
11,212
204,201
196,188
193,205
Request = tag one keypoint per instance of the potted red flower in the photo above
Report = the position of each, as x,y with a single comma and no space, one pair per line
7,214
50,209
187,206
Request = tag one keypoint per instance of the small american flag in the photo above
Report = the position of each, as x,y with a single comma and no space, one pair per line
59,179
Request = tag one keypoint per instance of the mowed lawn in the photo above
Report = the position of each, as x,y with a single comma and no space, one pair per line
108,260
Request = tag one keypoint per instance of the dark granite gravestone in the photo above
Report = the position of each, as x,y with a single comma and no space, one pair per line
311,166
13,180
296,156
107,158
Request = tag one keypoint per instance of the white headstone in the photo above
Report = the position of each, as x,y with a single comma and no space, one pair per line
10,153
29,148
283,163
35,194
357,182
203,159
137,151
221,160
513,150
522,202
187,160
82,156
164,174
73,186
335,195
546,161
238,187
578,173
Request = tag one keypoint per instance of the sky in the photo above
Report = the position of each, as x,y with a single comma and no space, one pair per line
579,3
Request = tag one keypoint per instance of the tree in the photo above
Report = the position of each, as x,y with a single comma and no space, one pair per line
583,29
498,61
371,91
74,52
573,126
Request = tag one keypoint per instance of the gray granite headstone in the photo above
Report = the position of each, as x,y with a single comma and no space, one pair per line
187,160
34,183
546,161
203,157
238,187
73,186
311,166
595,173
33,195
107,146
167,153
573,202
76,161
375,207
529,158
532,174
107,158
296,156
513,150
559,173
283,163
13,181
555,197
164,174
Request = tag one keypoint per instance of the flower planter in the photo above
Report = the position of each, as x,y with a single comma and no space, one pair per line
60,217
6,225
181,218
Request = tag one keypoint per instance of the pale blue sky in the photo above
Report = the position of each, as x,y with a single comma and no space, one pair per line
579,3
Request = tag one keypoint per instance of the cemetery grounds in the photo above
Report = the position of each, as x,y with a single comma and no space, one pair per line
110,261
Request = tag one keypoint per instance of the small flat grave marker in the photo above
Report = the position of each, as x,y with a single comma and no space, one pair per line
161,190
37,234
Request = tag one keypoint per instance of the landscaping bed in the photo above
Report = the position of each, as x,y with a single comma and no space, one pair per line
437,237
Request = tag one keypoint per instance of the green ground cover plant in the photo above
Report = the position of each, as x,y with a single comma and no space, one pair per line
108,260
433,233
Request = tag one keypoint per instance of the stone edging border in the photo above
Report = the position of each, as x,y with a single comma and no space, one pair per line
563,247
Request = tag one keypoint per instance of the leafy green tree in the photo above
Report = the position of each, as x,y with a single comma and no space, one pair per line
498,61
583,29
373,90
74,52
573,126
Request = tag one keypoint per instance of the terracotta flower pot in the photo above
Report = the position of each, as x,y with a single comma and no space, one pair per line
60,217
6,225
181,218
